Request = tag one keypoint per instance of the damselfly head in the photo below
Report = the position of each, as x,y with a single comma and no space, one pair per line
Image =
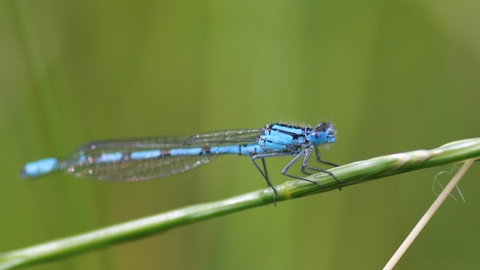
323,133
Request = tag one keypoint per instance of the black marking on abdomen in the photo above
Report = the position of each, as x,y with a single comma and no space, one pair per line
205,151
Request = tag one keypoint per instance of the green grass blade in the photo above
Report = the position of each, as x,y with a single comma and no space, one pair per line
350,174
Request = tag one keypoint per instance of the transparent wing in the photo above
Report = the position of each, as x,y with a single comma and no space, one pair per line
138,170
89,160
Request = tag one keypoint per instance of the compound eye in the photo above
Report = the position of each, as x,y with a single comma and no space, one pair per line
323,133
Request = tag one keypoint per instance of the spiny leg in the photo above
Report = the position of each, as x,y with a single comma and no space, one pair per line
264,172
305,152
265,168
319,170
317,153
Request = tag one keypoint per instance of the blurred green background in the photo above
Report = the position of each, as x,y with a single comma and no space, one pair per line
393,75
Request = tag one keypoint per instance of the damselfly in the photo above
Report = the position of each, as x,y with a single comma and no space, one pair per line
133,160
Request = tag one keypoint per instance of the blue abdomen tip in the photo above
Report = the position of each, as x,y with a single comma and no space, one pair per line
39,167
